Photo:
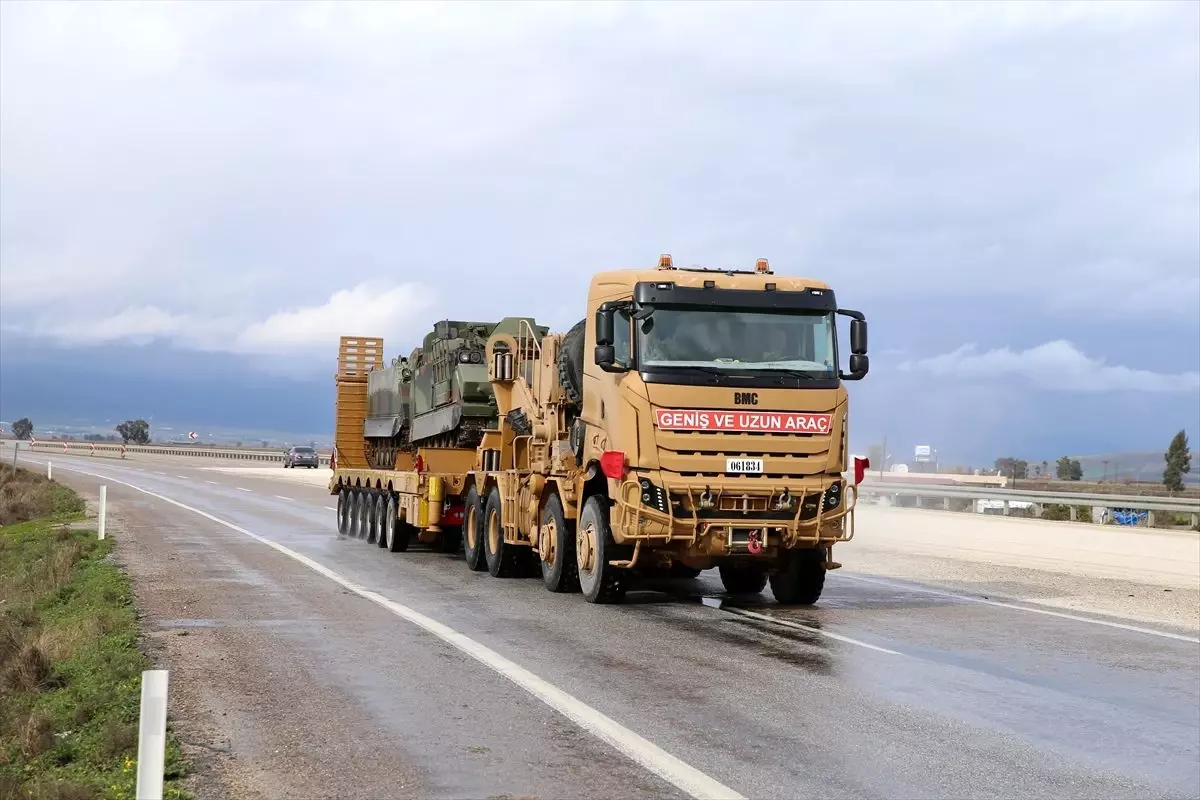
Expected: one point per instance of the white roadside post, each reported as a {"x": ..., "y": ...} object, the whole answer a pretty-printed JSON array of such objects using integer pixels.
[
  {"x": 152, "y": 735},
  {"x": 103, "y": 504},
  {"x": 49, "y": 471}
]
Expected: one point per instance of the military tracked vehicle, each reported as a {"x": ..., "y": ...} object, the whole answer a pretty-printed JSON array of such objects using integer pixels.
[{"x": 439, "y": 396}]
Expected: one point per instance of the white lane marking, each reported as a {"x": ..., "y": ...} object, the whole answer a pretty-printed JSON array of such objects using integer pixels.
[
  {"x": 666, "y": 766},
  {"x": 214, "y": 483},
  {"x": 281, "y": 497},
  {"x": 330, "y": 508},
  {"x": 185, "y": 477},
  {"x": 156, "y": 472},
  {"x": 1014, "y": 606},
  {"x": 789, "y": 624},
  {"x": 244, "y": 489}
]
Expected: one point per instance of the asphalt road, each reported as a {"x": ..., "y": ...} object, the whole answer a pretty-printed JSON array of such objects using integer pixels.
[{"x": 398, "y": 675}]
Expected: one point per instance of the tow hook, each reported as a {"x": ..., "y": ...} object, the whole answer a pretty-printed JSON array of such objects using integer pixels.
[{"x": 754, "y": 545}]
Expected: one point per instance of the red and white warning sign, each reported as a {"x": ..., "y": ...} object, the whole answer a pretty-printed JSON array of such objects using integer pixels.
[{"x": 742, "y": 421}]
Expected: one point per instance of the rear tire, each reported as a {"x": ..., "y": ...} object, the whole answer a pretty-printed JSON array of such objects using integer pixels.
[
  {"x": 743, "y": 578},
  {"x": 356, "y": 501},
  {"x": 343, "y": 511},
  {"x": 473, "y": 551},
  {"x": 371, "y": 517},
  {"x": 594, "y": 548},
  {"x": 503, "y": 559},
  {"x": 561, "y": 572},
  {"x": 387, "y": 531},
  {"x": 801, "y": 579}
]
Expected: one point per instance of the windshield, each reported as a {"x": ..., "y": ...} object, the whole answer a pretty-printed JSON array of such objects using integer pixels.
[
  {"x": 302, "y": 450},
  {"x": 737, "y": 340}
]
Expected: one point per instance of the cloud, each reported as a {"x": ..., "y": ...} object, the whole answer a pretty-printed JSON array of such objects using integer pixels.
[
  {"x": 1056, "y": 366},
  {"x": 397, "y": 313},
  {"x": 216, "y": 175}
]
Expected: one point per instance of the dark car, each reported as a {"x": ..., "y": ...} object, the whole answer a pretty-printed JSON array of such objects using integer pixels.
[{"x": 301, "y": 457}]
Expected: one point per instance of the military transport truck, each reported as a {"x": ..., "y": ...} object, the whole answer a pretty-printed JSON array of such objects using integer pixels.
[{"x": 694, "y": 418}]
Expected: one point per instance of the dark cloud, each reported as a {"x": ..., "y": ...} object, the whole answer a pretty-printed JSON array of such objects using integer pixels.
[{"x": 1003, "y": 175}]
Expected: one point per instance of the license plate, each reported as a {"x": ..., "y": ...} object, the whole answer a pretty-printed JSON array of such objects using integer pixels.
[{"x": 744, "y": 466}]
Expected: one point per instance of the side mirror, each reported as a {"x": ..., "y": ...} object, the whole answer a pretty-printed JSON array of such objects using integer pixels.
[
  {"x": 858, "y": 337},
  {"x": 860, "y": 365},
  {"x": 604, "y": 329},
  {"x": 606, "y": 358}
]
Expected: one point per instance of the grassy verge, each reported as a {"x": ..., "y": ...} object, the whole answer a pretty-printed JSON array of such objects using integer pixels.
[{"x": 70, "y": 667}]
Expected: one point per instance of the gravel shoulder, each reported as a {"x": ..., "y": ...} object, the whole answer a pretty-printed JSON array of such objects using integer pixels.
[
  {"x": 244, "y": 701},
  {"x": 1150, "y": 577}
]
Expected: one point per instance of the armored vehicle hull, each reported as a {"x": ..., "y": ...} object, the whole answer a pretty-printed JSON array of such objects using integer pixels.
[{"x": 439, "y": 396}]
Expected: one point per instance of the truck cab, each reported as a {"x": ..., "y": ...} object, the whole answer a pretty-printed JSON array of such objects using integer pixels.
[{"x": 714, "y": 413}]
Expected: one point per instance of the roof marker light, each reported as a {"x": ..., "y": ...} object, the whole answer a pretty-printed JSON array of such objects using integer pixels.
[
  {"x": 761, "y": 266},
  {"x": 664, "y": 261}
]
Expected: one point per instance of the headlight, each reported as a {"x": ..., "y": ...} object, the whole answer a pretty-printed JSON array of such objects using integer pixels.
[
  {"x": 833, "y": 496},
  {"x": 652, "y": 495}
]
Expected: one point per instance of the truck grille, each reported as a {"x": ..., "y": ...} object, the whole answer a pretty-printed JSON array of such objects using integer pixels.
[{"x": 696, "y": 454}]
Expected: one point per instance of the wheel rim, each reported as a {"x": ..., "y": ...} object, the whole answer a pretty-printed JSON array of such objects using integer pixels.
[
  {"x": 548, "y": 542},
  {"x": 382, "y": 518},
  {"x": 472, "y": 530},
  {"x": 363, "y": 521},
  {"x": 494, "y": 533},
  {"x": 585, "y": 547},
  {"x": 389, "y": 525}
]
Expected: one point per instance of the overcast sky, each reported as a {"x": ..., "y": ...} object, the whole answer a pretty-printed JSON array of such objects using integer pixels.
[{"x": 1010, "y": 192}]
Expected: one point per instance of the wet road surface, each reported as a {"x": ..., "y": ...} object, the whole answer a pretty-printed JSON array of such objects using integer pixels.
[{"x": 886, "y": 690}]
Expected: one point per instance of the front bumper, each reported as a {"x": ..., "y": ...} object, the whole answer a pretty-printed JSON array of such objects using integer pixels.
[{"x": 734, "y": 518}]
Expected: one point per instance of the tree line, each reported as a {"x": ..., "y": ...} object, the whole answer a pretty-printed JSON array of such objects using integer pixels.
[
  {"x": 1177, "y": 458},
  {"x": 131, "y": 431}
]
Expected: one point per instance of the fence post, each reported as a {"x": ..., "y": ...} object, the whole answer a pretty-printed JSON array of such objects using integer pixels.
[
  {"x": 103, "y": 503},
  {"x": 152, "y": 735}
]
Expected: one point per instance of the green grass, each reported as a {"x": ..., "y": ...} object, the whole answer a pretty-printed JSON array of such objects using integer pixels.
[{"x": 70, "y": 667}]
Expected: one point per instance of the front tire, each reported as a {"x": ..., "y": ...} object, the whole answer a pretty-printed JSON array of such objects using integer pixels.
[
  {"x": 801, "y": 579},
  {"x": 600, "y": 581},
  {"x": 743, "y": 578},
  {"x": 560, "y": 572}
]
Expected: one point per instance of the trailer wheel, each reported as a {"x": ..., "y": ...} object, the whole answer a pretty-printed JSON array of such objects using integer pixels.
[
  {"x": 743, "y": 578},
  {"x": 380, "y": 517},
  {"x": 387, "y": 531},
  {"x": 802, "y": 578},
  {"x": 594, "y": 548},
  {"x": 473, "y": 531},
  {"x": 503, "y": 559},
  {"x": 560, "y": 571},
  {"x": 364, "y": 514},
  {"x": 355, "y": 513},
  {"x": 370, "y": 529},
  {"x": 343, "y": 511}
]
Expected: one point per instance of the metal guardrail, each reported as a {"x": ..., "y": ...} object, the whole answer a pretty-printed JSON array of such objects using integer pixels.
[
  {"x": 1181, "y": 505},
  {"x": 110, "y": 450}
]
